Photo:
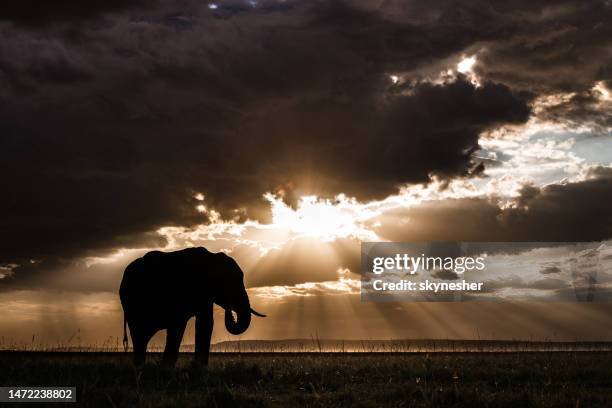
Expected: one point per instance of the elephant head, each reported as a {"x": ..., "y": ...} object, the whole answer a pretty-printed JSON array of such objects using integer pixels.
[{"x": 234, "y": 298}]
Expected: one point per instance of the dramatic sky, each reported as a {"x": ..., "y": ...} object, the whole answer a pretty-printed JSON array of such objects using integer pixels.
[{"x": 285, "y": 132}]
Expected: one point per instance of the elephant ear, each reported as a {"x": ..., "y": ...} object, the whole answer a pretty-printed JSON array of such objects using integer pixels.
[
  {"x": 227, "y": 268},
  {"x": 235, "y": 269}
]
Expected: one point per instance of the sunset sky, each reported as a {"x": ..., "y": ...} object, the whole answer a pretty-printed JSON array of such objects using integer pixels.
[{"x": 286, "y": 132}]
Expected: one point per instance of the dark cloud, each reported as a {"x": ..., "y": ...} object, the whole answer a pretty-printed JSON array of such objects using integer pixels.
[
  {"x": 550, "y": 269},
  {"x": 368, "y": 148},
  {"x": 445, "y": 274},
  {"x": 41, "y": 12},
  {"x": 554, "y": 213},
  {"x": 66, "y": 275},
  {"x": 560, "y": 46},
  {"x": 584, "y": 109},
  {"x": 472, "y": 219},
  {"x": 560, "y": 212},
  {"x": 110, "y": 127},
  {"x": 114, "y": 114}
]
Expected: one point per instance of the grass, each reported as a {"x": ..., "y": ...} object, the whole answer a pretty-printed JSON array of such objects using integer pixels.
[
  {"x": 543, "y": 379},
  {"x": 318, "y": 345}
]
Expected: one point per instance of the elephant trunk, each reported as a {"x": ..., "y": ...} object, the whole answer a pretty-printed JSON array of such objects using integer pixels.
[{"x": 241, "y": 324}]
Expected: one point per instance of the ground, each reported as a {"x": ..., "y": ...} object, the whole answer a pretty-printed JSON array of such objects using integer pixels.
[{"x": 543, "y": 379}]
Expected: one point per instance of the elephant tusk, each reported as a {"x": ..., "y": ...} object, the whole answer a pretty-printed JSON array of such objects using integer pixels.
[{"x": 257, "y": 313}]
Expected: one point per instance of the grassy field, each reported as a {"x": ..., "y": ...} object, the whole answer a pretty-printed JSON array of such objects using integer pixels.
[{"x": 545, "y": 379}]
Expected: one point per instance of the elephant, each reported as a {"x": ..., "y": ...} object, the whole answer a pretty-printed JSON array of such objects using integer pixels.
[{"x": 163, "y": 290}]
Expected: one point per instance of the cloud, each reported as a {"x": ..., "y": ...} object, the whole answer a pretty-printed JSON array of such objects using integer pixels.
[
  {"x": 113, "y": 117},
  {"x": 560, "y": 212},
  {"x": 342, "y": 286},
  {"x": 135, "y": 112},
  {"x": 472, "y": 219},
  {"x": 445, "y": 274},
  {"x": 71, "y": 275},
  {"x": 559, "y": 46},
  {"x": 550, "y": 269},
  {"x": 34, "y": 13},
  {"x": 586, "y": 109},
  {"x": 273, "y": 255},
  {"x": 553, "y": 213}
]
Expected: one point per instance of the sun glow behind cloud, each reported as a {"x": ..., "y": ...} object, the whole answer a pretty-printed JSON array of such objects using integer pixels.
[
  {"x": 465, "y": 65},
  {"x": 323, "y": 218},
  {"x": 603, "y": 91}
]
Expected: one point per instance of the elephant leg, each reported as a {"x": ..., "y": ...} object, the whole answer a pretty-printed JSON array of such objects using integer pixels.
[
  {"x": 204, "y": 327},
  {"x": 140, "y": 339},
  {"x": 174, "y": 335}
]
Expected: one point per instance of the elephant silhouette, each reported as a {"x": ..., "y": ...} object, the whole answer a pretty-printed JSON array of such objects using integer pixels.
[{"x": 163, "y": 290}]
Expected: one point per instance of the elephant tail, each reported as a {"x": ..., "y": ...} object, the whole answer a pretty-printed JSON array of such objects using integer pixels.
[{"x": 125, "y": 339}]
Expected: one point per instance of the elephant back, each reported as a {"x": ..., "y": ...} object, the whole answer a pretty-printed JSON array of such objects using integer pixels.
[{"x": 164, "y": 278}]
